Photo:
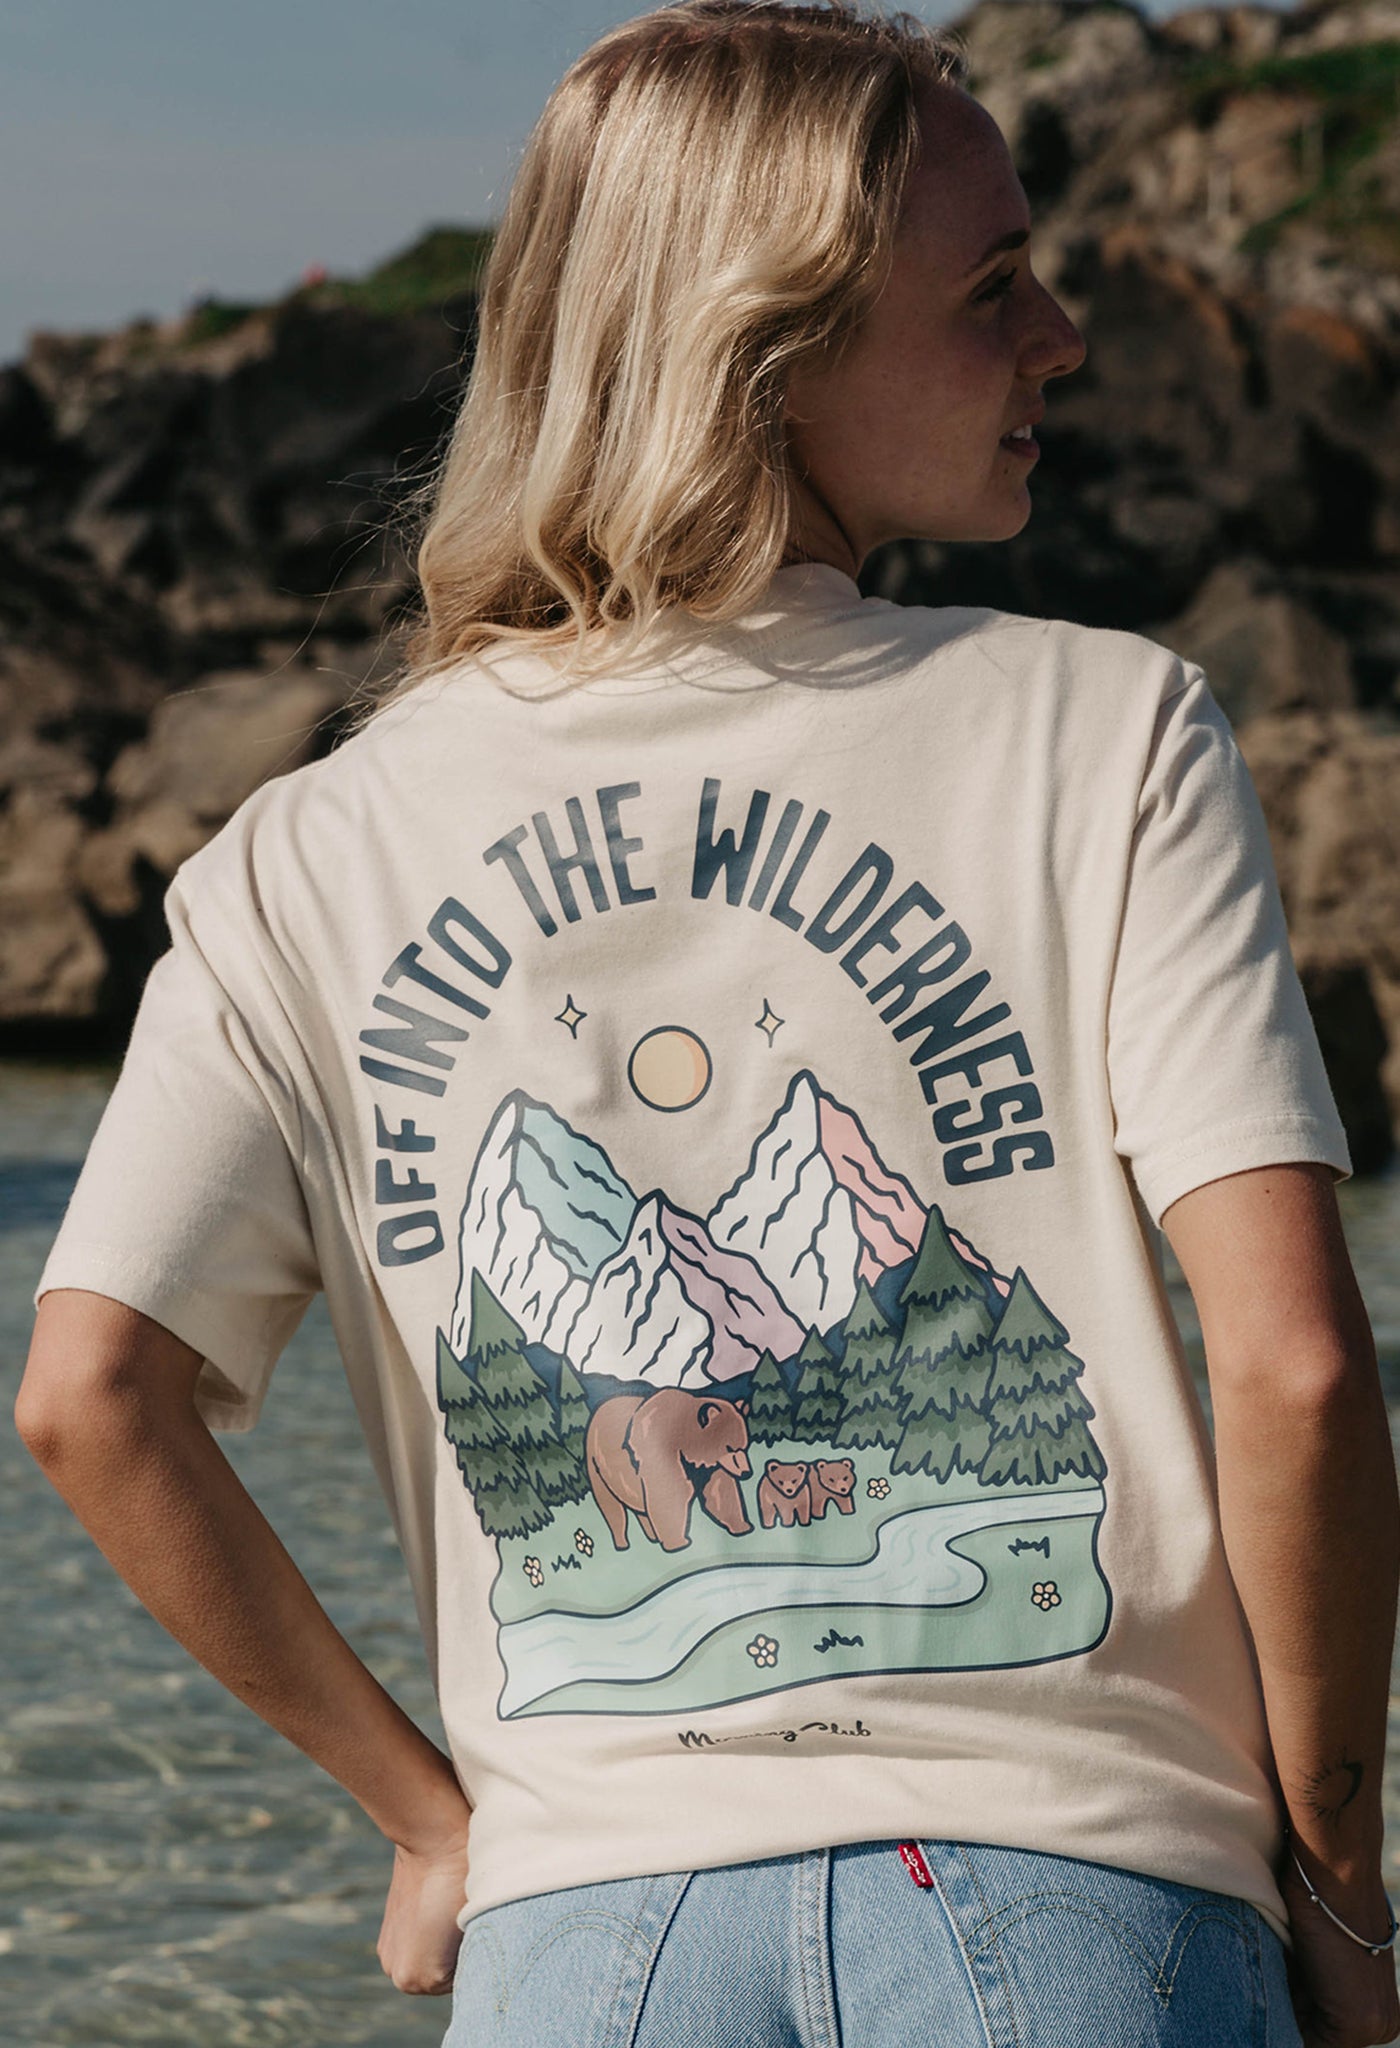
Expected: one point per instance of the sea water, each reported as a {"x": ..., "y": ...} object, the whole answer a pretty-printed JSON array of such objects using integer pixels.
[{"x": 172, "y": 1871}]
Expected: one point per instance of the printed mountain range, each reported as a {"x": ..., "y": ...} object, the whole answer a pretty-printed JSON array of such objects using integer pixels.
[{"x": 638, "y": 1288}]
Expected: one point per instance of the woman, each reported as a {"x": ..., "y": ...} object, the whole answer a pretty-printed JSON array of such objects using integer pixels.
[{"x": 722, "y": 1045}]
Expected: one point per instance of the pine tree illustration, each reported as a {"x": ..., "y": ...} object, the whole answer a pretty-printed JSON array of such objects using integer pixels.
[
  {"x": 770, "y": 1404},
  {"x": 556, "y": 1471},
  {"x": 870, "y": 1397},
  {"x": 1039, "y": 1416},
  {"x": 817, "y": 1399},
  {"x": 573, "y": 1431},
  {"x": 477, "y": 1435},
  {"x": 502, "y": 1474},
  {"x": 468, "y": 1422},
  {"x": 942, "y": 1361}
]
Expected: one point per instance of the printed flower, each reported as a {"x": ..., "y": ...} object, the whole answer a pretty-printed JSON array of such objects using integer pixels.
[
  {"x": 534, "y": 1571},
  {"x": 878, "y": 1489},
  {"x": 1045, "y": 1594},
  {"x": 763, "y": 1650},
  {"x": 583, "y": 1541}
]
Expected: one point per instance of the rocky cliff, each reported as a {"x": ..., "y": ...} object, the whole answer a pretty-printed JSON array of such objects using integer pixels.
[{"x": 197, "y": 562}]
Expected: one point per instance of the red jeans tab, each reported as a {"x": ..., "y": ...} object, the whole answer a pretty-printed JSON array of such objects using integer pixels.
[{"x": 912, "y": 1857}]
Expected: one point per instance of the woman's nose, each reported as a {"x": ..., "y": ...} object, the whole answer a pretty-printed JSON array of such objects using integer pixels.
[{"x": 1059, "y": 347}]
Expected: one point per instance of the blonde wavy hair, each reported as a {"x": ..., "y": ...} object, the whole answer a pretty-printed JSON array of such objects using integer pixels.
[{"x": 708, "y": 200}]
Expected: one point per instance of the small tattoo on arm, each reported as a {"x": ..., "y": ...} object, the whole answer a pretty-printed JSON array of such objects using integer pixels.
[{"x": 1328, "y": 1790}]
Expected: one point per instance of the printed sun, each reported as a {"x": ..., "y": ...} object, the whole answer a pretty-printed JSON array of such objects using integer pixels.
[{"x": 669, "y": 1068}]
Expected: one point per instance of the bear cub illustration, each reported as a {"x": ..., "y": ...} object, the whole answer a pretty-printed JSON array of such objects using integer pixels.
[
  {"x": 831, "y": 1479},
  {"x": 655, "y": 1453},
  {"x": 802, "y": 1493},
  {"x": 783, "y": 1495}
]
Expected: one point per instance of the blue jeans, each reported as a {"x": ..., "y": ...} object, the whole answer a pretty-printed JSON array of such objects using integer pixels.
[{"x": 842, "y": 1948}]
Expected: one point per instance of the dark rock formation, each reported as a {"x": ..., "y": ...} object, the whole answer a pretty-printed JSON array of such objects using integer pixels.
[
  {"x": 1329, "y": 782},
  {"x": 197, "y": 568},
  {"x": 198, "y": 520}
]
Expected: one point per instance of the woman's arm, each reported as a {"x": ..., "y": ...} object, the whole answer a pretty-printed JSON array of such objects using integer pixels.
[
  {"x": 106, "y": 1409},
  {"x": 1311, "y": 1527}
]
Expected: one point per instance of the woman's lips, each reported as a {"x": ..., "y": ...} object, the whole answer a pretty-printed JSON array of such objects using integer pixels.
[{"x": 1024, "y": 444}]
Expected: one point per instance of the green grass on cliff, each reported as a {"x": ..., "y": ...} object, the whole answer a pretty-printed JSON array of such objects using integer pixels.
[
  {"x": 210, "y": 319},
  {"x": 1356, "y": 92},
  {"x": 442, "y": 264},
  {"x": 1362, "y": 72}
]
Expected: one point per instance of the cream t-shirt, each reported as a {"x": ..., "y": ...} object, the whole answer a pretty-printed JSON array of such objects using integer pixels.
[{"x": 727, "y": 1108}]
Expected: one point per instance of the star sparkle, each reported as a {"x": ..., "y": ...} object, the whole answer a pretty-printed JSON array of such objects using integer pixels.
[
  {"x": 571, "y": 1016},
  {"x": 770, "y": 1023}
]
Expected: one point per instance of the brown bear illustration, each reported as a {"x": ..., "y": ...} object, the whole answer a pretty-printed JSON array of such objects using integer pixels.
[
  {"x": 783, "y": 1495},
  {"x": 654, "y": 1453},
  {"x": 831, "y": 1479}
]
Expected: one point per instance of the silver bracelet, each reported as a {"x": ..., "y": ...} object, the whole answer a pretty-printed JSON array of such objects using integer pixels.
[{"x": 1375, "y": 1948}]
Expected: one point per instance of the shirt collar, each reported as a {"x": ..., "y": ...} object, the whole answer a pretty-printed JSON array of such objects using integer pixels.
[{"x": 814, "y": 586}]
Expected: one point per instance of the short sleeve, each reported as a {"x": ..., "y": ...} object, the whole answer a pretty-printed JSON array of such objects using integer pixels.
[
  {"x": 1213, "y": 1061},
  {"x": 189, "y": 1206}
]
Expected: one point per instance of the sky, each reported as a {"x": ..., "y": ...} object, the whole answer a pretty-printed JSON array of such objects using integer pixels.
[{"x": 156, "y": 151}]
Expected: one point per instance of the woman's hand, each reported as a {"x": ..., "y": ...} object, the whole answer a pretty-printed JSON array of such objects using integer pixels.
[
  {"x": 419, "y": 1938},
  {"x": 1344, "y": 1998}
]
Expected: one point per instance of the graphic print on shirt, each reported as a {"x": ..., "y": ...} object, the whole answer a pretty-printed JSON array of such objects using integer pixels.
[{"x": 810, "y": 1435}]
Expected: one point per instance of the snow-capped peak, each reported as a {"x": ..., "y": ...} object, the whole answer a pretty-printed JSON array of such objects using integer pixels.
[{"x": 816, "y": 1208}]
